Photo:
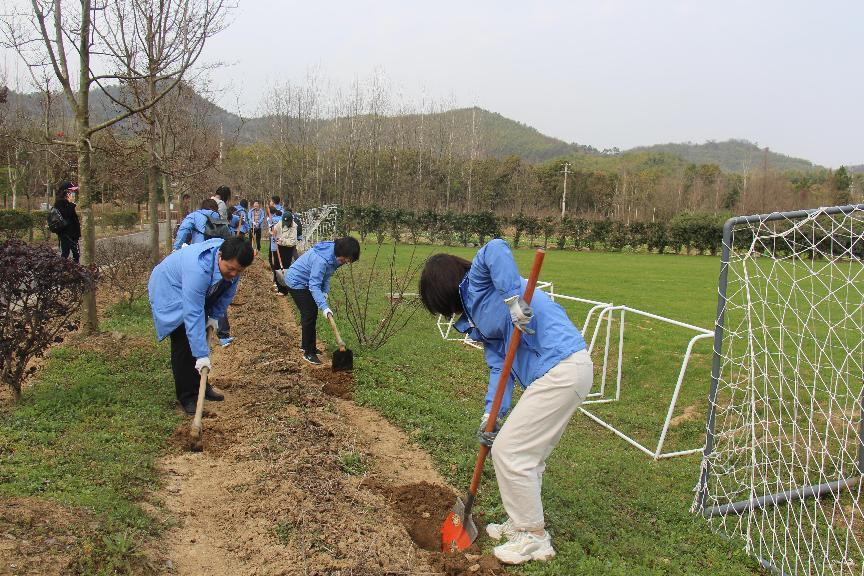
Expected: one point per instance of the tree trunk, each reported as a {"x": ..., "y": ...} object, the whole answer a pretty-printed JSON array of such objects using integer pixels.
[
  {"x": 89, "y": 316},
  {"x": 166, "y": 191}
]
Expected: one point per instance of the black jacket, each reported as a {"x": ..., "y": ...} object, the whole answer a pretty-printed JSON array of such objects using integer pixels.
[{"x": 73, "y": 225}]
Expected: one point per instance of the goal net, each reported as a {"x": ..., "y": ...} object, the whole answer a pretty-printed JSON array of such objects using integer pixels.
[{"x": 783, "y": 458}]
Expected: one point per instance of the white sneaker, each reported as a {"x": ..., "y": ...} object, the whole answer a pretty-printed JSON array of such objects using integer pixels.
[
  {"x": 525, "y": 546},
  {"x": 498, "y": 531}
]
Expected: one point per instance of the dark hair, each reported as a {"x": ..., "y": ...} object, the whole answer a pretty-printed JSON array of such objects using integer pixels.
[
  {"x": 275, "y": 212},
  {"x": 224, "y": 192},
  {"x": 275, "y": 199},
  {"x": 63, "y": 189},
  {"x": 439, "y": 283},
  {"x": 347, "y": 247},
  {"x": 209, "y": 204},
  {"x": 237, "y": 248},
  {"x": 231, "y": 211},
  {"x": 245, "y": 204},
  {"x": 185, "y": 196}
]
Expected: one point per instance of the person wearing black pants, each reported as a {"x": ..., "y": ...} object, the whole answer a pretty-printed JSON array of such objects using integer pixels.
[
  {"x": 309, "y": 281},
  {"x": 308, "y": 317},
  {"x": 285, "y": 253},
  {"x": 190, "y": 290},
  {"x": 71, "y": 233}
]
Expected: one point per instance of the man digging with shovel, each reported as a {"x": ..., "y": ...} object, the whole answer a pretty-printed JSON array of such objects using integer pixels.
[
  {"x": 551, "y": 362},
  {"x": 190, "y": 290}
]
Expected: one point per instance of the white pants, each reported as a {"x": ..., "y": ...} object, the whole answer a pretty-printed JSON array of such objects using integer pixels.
[{"x": 531, "y": 432}]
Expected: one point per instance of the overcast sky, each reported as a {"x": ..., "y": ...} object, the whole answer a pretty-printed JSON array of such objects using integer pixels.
[{"x": 785, "y": 74}]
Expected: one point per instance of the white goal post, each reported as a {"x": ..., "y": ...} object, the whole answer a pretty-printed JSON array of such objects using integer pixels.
[{"x": 782, "y": 463}]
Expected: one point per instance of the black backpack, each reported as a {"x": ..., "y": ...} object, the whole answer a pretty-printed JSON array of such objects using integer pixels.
[
  {"x": 56, "y": 221},
  {"x": 216, "y": 228},
  {"x": 296, "y": 219}
]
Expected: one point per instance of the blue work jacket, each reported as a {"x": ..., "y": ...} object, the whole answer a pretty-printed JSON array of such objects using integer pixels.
[
  {"x": 494, "y": 277},
  {"x": 255, "y": 215},
  {"x": 240, "y": 215},
  {"x": 191, "y": 229},
  {"x": 272, "y": 220},
  {"x": 313, "y": 271},
  {"x": 178, "y": 290}
]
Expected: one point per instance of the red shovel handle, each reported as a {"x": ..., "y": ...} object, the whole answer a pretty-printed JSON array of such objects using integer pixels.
[{"x": 505, "y": 374}]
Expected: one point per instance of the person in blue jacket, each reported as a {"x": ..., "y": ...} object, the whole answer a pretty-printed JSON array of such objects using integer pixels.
[
  {"x": 239, "y": 222},
  {"x": 190, "y": 290},
  {"x": 552, "y": 364},
  {"x": 191, "y": 230},
  {"x": 255, "y": 217},
  {"x": 308, "y": 280}
]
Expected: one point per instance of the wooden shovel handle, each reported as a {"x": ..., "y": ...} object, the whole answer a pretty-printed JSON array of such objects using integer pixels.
[
  {"x": 339, "y": 340},
  {"x": 515, "y": 339}
]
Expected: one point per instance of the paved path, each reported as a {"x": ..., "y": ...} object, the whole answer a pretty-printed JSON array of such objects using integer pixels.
[{"x": 142, "y": 237}]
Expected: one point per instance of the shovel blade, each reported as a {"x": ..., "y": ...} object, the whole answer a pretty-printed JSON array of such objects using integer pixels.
[
  {"x": 280, "y": 278},
  {"x": 343, "y": 360},
  {"x": 457, "y": 532}
]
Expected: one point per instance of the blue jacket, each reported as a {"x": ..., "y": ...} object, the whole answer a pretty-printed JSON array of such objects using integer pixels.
[
  {"x": 494, "y": 277},
  {"x": 251, "y": 216},
  {"x": 313, "y": 271},
  {"x": 178, "y": 288},
  {"x": 240, "y": 215},
  {"x": 191, "y": 229},
  {"x": 272, "y": 221}
]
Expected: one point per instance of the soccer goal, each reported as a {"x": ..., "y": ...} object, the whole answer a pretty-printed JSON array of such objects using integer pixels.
[{"x": 782, "y": 463}]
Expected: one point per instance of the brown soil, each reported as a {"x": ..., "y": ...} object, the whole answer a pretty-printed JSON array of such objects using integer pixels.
[
  {"x": 39, "y": 537},
  {"x": 690, "y": 413},
  {"x": 293, "y": 478}
]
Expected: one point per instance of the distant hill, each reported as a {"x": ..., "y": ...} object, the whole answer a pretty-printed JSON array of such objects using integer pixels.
[
  {"x": 732, "y": 156},
  {"x": 858, "y": 169}
]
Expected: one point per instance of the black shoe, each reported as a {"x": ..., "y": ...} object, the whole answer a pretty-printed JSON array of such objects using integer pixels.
[
  {"x": 317, "y": 351},
  {"x": 189, "y": 407},
  {"x": 213, "y": 394},
  {"x": 312, "y": 359}
]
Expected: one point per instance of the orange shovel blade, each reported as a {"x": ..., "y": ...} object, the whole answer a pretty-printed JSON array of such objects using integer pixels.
[{"x": 457, "y": 532}]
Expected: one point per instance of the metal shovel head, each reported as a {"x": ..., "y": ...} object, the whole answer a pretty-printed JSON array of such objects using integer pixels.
[
  {"x": 457, "y": 532},
  {"x": 280, "y": 278},
  {"x": 343, "y": 360}
]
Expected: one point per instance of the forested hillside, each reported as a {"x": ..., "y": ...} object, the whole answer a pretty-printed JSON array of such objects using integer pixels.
[{"x": 732, "y": 156}]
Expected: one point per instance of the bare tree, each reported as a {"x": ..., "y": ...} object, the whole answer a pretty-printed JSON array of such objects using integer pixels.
[{"x": 85, "y": 44}]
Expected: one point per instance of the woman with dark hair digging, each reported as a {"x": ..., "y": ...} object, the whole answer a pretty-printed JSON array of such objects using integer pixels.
[
  {"x": 308, "y": 280},
  {"x": 552, "y": 364}
]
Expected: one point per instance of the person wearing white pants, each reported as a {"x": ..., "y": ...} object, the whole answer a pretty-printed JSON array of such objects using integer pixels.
[{"x": 552, "y": 364}]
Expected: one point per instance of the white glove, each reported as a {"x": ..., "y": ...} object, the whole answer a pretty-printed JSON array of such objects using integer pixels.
[
  {"x": 486, "y": 438},
  {"x": 328, "y": 312},
  {"x": 212, "y": 323},
  {"x": 520, "y": 313},
  {"x": 201, "y": 363}
]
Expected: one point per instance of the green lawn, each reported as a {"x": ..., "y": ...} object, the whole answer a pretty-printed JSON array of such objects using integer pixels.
[
  {"x": 87, "y": 433},
  {"x": 610, "y": 508}
]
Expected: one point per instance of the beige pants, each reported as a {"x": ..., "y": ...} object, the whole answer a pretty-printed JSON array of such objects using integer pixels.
[{"x": 531, "y": 432}]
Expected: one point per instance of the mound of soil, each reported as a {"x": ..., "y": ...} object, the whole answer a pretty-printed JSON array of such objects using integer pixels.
[{"x": 338, "y": 384}]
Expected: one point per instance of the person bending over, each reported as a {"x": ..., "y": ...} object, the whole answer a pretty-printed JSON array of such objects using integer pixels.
[
  {"x": 190, "y": 290},
  {"x": 552, "y": 365},
  {"x": 308, "y": 281}
]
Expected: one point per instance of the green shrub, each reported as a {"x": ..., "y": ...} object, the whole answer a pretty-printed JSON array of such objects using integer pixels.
[
  {"x": 15, "y": 223},
  {"x": 124, "y": 220}
]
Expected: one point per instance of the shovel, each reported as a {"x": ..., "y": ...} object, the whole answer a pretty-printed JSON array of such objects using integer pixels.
[
  {"x": 343, "y": 358},
  {"x": 195, "y": 429},
  {"x": 280, "y": 273},
  {"x": 459, "y": 531}
]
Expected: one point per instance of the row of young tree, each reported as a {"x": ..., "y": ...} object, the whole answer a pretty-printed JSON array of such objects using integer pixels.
[{"x": 691, "y": 233}]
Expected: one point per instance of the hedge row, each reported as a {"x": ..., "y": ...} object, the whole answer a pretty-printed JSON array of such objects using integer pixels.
[
  {"x": 18, "y": 223},
  {"x": 696, "y": 232}
]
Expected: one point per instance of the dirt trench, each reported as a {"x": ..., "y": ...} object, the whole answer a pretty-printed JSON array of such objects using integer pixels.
[{"x": 294, "y": 477}]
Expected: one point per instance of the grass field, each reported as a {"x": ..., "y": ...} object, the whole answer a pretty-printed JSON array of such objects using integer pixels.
[
  {"x": 611, "y": 509},
  {"x": 87, "y": 433}
]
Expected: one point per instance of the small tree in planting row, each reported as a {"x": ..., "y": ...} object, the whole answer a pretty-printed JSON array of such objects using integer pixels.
[
  {"x": 40, "y": 293},
  {"x": 124, "y": 265}
]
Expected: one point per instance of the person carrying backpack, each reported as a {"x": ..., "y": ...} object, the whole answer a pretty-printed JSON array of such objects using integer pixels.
[
  {"x": 194, "y": 227},
  {"x": 241, "y": 225},
  {"x": 68, "y": 228}
]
